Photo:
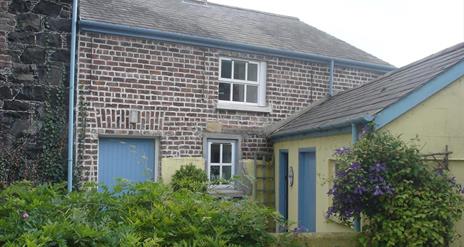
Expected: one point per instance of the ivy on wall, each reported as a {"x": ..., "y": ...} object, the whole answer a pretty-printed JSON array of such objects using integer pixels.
[
  {"x": 52, "y": 162},
  {"x": 50, "y": 165}
]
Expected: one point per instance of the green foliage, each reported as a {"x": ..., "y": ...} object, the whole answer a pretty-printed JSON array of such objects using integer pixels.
[
  {"x": 191, "y": 178},
  {"x": 52, "y": 164},
  {"x": 146, "y": 214},
  {"x": 19, "y": 162},
  {"x": 404, "y": 200}
]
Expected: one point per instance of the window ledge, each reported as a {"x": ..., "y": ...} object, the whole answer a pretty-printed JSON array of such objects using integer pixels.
[{"x": 243, "y": 107}]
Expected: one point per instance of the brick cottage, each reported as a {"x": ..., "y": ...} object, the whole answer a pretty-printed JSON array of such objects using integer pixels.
[{"x": 165, "y": 83}]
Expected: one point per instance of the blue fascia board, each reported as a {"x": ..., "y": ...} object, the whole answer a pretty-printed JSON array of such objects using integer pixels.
[
  {"x": 311, "y": 134},
  {"x": 400, "y": 107},
  {"x": 116, "y": 29},
  {"x": 341, "y": 128}
]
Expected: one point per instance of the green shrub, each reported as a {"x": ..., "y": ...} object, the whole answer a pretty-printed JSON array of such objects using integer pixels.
[
  {"x": 145, "y": 214},
  {"x": 404, "y": 200},
  {"x": 191, "y": 178}
]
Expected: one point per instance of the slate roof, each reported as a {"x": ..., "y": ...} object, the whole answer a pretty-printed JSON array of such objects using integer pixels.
[
  {"x": 242, "y": 26},
  {"x": 370, "y": 98}
]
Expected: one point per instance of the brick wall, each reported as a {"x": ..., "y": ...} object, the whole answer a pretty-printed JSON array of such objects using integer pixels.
[{"x": 174, "y": 89}]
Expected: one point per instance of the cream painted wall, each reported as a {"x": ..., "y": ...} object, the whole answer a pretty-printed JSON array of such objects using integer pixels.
[
  {"x": 438, "y": 121},
  {"x": 325, "y": 147},
  {"x": 169, "y": 166}
]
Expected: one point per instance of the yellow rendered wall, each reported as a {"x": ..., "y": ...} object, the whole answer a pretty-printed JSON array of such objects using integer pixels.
[
  {"x": 437, "y": 122},
  {"x": 169, "y": 166},
  {"x": 325, "y": 147}
]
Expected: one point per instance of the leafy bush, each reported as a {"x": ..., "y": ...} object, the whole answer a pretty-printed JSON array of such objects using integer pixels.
[
  {"x": 191, "y": 178},
  {"x": 146, "y": 214},
  {"x": 404, "y": 200}
]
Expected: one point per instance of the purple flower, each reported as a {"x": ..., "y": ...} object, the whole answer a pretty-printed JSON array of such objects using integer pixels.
[
  {"x": 340, "y": 173},
  {"x": 355, "y": 166},
  {"x": 25, "y": 216},
  {"x": 378, "y": 191},
  {"x": 332, "y": 191},
  {"x": 376, "y": 178},
  {"x": 342, "y": 151},
  {"x": 359, "y": 190},
  {"x": 378, "y": 168},
  {"x": 388, "y": 189},
  {"x": 330, "y": 212},
  {"x": 365, "y": 130}
]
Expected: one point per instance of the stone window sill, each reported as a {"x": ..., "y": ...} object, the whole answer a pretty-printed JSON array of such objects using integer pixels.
[{"x": 242, "y": 107}]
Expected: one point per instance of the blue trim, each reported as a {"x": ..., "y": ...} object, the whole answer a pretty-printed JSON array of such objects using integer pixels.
[
  {"x": 307, "y": 150},
  {"x": 418, "y": 96},
  {"x": 354, "y": 139},
  {"x": 335, "y": 129},
  {"x": 354, "y": 133},
  {"x": 109, "y": 28},
  {"x": 309, "y": 134},
  {"x": 72, "y": 71},
  {"x": 331, "y": 77},
  {"x": 283, "y": 183}
]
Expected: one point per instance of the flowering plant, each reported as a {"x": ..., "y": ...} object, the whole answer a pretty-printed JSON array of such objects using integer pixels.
[{"x": 403, "y": 200}]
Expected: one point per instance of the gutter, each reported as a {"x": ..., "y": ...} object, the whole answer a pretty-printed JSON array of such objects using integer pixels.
[
  {"x": 337, "y": 126},
  {"x": 331, "y": 77},
  {"x": 72, "y": 70},
  {"x": 117, "y": 29}
]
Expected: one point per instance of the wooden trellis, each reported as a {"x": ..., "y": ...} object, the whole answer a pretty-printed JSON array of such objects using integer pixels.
[
  {"x": 441, "y": 158},
  {"x": 264, "y": 174}
]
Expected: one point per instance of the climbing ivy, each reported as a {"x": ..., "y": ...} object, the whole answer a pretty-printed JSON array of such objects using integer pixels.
[
  {"x": 19, "y": 163},
  {"x": 52, "y": 161}
]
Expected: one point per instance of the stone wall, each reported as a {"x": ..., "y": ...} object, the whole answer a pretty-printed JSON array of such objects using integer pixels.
[
  {"x": 34, "y": 57},
  {"x": 174, "y": 90}
]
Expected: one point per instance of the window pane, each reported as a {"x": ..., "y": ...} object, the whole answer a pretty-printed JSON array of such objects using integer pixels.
[
  {"x": 226, "y": 153},
  {"x": 215, "y": 153},
  {"x": 252, "y": 72},
  {"x": 226, "y": 69},
  {"x": 252, "y": 94},
  {"x": 227, "y": 172},
  {"x": 239, "y": 93},
  {"x": 214, "y": 172},
  {"x": 239, "y": 70},
  {"x": 224, "y": 91}
]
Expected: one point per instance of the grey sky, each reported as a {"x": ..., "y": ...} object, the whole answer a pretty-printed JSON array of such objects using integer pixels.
[{"x": 397, "y": 31}]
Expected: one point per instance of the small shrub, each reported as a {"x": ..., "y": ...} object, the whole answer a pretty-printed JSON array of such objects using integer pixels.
[
  {"x": 404, "y": 200},
  {"x": 191, "y": 178},
  {"x": 145, "y": 214}
]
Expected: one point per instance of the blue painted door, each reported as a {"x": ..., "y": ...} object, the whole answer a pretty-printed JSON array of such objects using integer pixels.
[
  {"x": 307, "y": 191},
  {"x": 131, "y": 159},
  {"x": 283, "y": 183}
]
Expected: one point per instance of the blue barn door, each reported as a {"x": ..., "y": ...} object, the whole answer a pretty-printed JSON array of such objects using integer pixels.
[
  {"x": 307, "y": 190},
  {"x": 131, "y": 159},
  {"x": 283, "y": 184}
]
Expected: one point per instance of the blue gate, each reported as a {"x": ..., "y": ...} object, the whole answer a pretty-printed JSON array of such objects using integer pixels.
[{"x": 131, "y": 159}]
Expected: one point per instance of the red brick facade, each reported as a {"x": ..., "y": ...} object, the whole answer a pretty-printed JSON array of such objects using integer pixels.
[{"x": 174, "y": 90}]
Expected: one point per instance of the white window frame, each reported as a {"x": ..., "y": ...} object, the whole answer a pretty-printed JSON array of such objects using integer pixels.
[
  {"x": 260, "y": 83},
  {"x": 233, "y": 144}
]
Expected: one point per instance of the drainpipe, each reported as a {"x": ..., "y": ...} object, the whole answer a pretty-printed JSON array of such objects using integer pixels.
[
  {"x": 331, "y": 77},
  {"x": 72, "y": 70},
  {"x": 354, "y": 139}
]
